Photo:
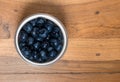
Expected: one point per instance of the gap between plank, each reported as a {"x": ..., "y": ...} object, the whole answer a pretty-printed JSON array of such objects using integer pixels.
[{"x": 64, "y": 73}]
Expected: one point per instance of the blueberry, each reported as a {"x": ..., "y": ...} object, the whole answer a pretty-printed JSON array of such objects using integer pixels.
[
  {"x": 26, "y": 52},
  {"x": 23, "y": 36},
  {"x": 54, "y": 34},
  {"x": 60, "y": 40},
  {"x": 38, "y": 38},
  {"x": 45, "y": 45},
  {"x": 21, "y": 45},
  {"x": 54, "y": 42},
  {"x": 48, "y": 37},
  {"x": 49, "y": 26},
  {"x": 40, "y": 60},
  {"x": 40, "y": 21},
  {"x": 34, "y": 52},
  {"x": 50, "y": 23},
  {"x": 36, "y": 56},
  {"x": 43, "y": 33},
  {"x": 49, "y": 49},
  {"x": 56, "y": 29},
  {"x": 35, "y": 32},
  {"x": 27, "y": 27},
  {"x": 58, "y": 48},
  {"x": 61, "y": 35},
  {"x": 36, "y": 45},
  {"x": 39, "y": 49},
  {"x": 31, "y": 58},
  {"x": 33, "y": 22},
  {"x": 30, "y": 41},
  {"x": 31, "y": 47},
  {"x": 52, "y": 54},
  {"x": 43, "y": 55}
]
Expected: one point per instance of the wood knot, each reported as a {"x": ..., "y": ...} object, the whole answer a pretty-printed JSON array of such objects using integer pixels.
[
  {"x": 15, "y": 10},
  {"x": 98, "y": 54},
  {"x": 97, "y": 12},
  {"x": 4, "y": 31}
]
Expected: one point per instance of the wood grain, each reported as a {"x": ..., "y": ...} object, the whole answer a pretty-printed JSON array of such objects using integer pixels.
[
  {"x": 78, "y": 49},
  {"x": 60, "y": 78},
  {"x": 11, "y": 65},
  {"x": 80, "y": 20},
  {"x": 93, "y": 53}
]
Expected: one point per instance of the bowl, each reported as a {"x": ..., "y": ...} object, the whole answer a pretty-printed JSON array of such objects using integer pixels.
[{"x": 47, "y": 17}]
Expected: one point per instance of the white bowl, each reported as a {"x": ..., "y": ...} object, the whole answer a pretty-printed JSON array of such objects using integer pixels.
[{"x": 57, "y": 22}]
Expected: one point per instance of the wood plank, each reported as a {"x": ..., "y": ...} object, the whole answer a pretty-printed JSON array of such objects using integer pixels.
[
  {"x": 10, "y": 65},
  {"x": 60, "y": 78},
  {"x": 78, "y": 49},
  {"x": 58, "y": 2},
  {"x": 80, "y": 20}
]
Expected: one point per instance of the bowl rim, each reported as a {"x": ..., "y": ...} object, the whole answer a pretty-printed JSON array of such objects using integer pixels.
[{"x": 57, "y": 22}]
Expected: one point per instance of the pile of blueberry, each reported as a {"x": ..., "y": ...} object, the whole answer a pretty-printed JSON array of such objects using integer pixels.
[{"x": 40, "y": 40}]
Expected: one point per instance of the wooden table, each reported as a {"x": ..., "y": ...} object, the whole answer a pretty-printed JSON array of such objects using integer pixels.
[{"x": 93, "y": 53}]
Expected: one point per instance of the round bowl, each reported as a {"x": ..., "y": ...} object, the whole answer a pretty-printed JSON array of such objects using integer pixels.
[{"x": 57, "y": 22}]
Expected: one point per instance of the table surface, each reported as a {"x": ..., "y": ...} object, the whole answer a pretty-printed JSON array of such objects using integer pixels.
[{"x": 93, "y": 53}]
